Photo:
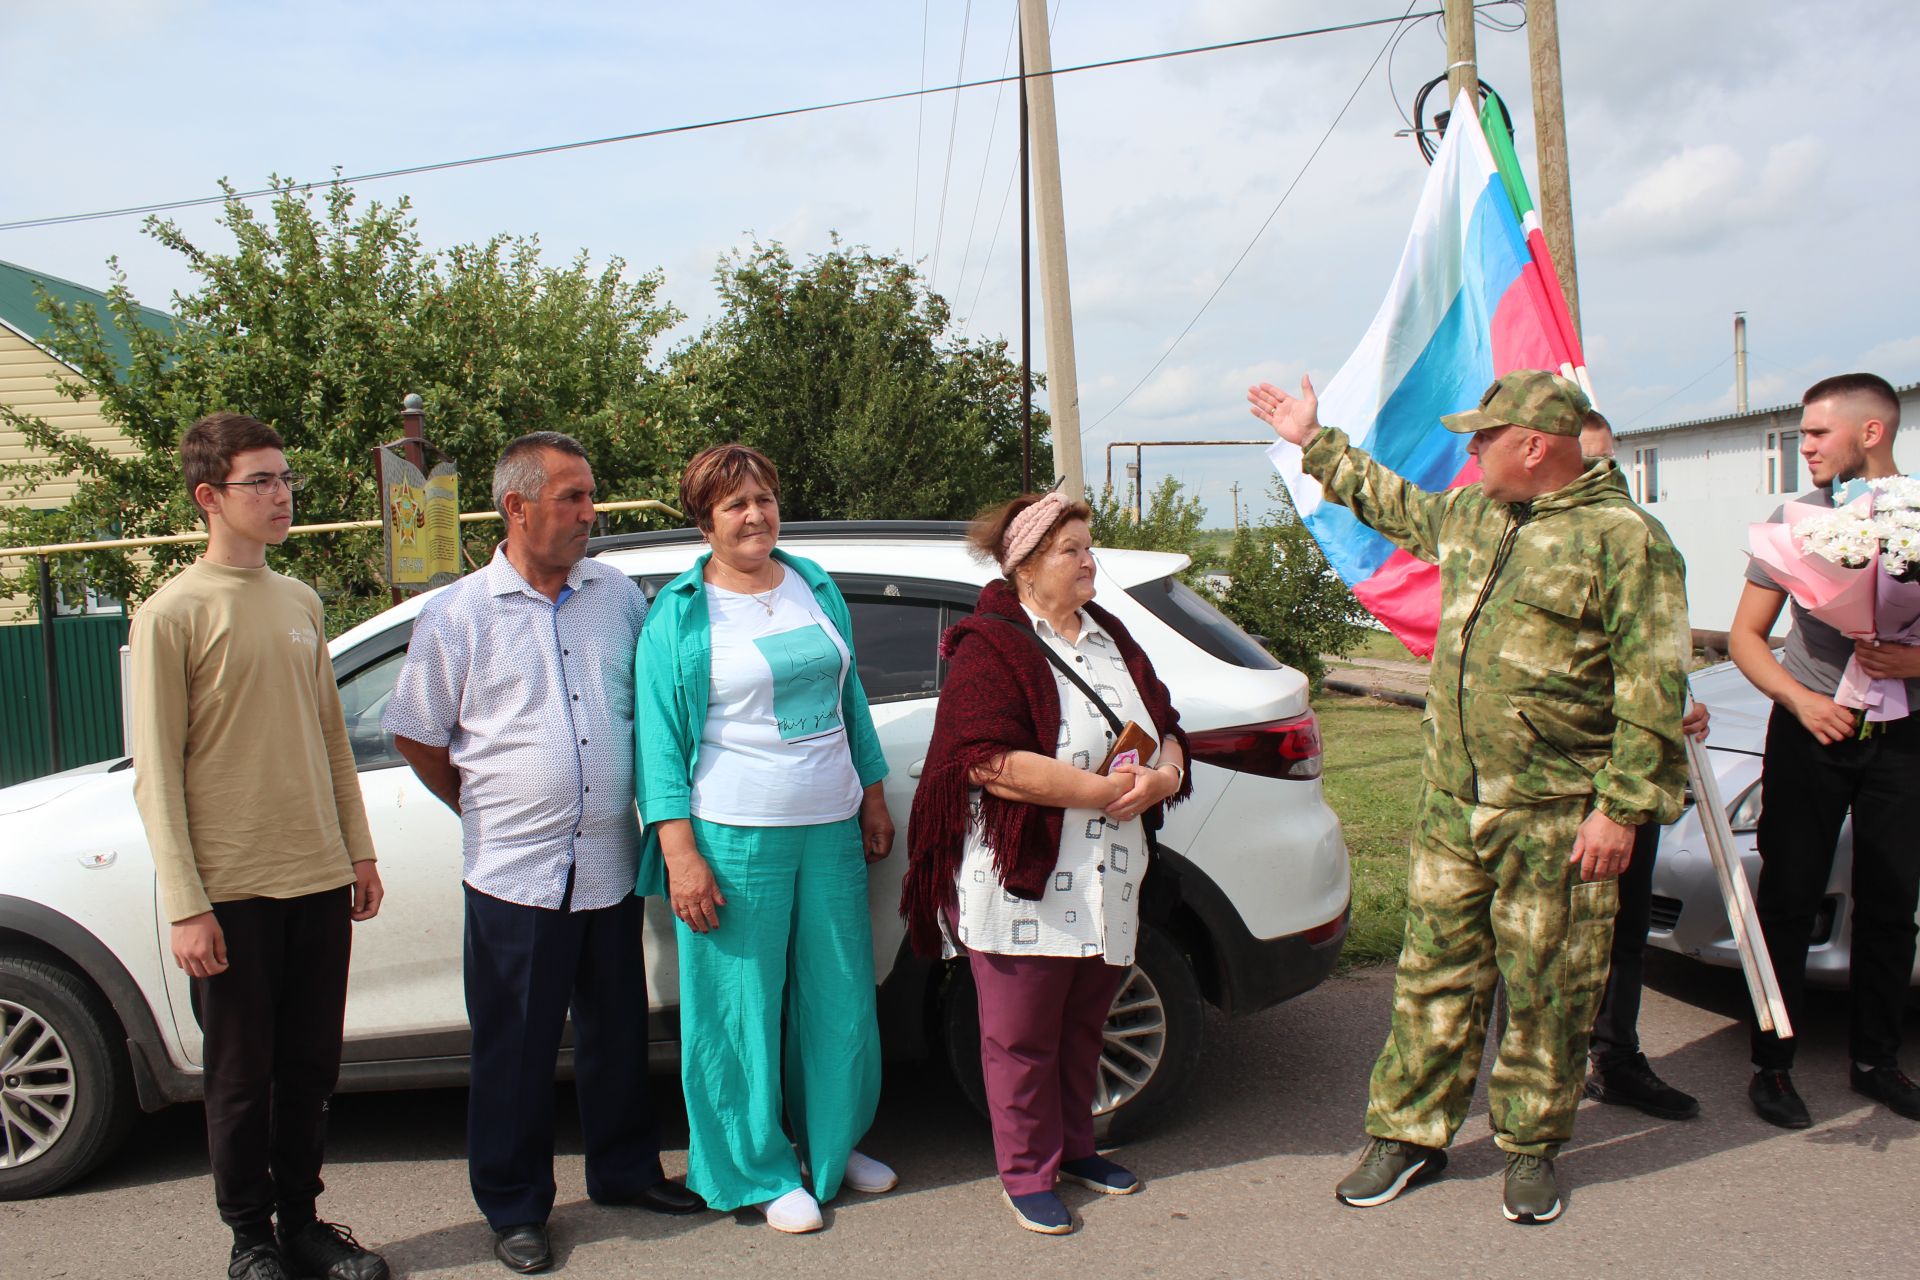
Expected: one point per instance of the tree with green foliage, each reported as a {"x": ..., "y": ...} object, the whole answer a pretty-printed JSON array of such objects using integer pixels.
[
  {"x": 847, "y": 372},
  {"x": 1171, "y": 522},
  {"x": 318, "y": 321},
  {"x": 1283, "y": 590}
]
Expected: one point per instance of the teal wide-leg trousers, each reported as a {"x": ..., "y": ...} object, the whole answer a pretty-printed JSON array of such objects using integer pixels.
[{"x": 794, "y": 937}]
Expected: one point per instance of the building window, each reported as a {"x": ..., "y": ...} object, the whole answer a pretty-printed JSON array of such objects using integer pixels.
[
  {"x": 1646, "y": 476},
  {"x": 1783, "y": 461}
]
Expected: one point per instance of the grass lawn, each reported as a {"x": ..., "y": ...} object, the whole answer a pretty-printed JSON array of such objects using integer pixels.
[
  {"x": 1372, "y": 780},
  {"x": 1382, "y": 645}
]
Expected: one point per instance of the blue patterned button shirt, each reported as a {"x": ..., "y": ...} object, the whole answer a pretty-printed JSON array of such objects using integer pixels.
[{"x": 534, "y": 700}]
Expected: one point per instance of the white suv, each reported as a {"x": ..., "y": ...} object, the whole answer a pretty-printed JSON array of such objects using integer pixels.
[{"x": 95, "y": 1018}]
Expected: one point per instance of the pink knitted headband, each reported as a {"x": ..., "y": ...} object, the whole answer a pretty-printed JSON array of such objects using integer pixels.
[{"x": 1030, "y": 528}]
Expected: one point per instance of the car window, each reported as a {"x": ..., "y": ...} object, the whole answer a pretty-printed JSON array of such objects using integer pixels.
[
  {"x": 363, "y": 697},
  {"x": 1194, "y": 617},
  {"x": 897, "y": 643}
]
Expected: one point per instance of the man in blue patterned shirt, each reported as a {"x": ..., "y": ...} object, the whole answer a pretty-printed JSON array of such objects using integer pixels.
[{"x": 515, "y": 707}]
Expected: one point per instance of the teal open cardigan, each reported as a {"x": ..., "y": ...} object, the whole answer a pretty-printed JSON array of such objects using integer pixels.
[{"x": 672, "y": 675}]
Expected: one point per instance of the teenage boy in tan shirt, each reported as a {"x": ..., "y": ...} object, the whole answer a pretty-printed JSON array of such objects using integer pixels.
[{"x": 245, "y": 782}]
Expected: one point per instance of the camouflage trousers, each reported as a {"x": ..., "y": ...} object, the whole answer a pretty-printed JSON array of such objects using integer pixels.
[{"x": 1490, "y": 894}]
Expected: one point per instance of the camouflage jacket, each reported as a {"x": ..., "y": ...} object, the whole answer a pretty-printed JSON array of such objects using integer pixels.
[{"x": 1560, "y": 665}]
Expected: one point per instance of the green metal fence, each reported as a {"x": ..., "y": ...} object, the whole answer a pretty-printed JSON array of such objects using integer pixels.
[{"x": 87, "y": 651}]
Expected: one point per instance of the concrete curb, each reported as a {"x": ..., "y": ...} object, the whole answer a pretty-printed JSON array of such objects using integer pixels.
[{"x": 1417, "y": 701}]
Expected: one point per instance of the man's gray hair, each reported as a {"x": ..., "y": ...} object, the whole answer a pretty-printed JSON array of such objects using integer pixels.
[{"x": 522, "y": 468}]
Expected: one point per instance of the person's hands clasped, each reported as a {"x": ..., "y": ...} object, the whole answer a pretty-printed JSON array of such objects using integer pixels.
[
  {"x": 1602, "y": 847},
  {"x": 1146, "y": 787},
  {"x": 876, "y": 824}
]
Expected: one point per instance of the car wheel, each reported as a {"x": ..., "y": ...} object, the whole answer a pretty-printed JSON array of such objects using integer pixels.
[
  {"x": 66, "y": 1090},
  {"x": 1153, "y": 1036}
]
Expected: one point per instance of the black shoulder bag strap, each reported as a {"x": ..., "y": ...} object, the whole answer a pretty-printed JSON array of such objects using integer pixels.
[{"x": 1066, "y": 669}]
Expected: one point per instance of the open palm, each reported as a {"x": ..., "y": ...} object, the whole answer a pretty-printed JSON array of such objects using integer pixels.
[{"x": 1295, "y": 418}]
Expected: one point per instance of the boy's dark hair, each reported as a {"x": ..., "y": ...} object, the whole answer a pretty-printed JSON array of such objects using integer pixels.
[{"x": 210, "y": 445}]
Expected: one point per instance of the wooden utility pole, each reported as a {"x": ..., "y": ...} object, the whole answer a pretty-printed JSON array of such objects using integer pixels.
[
  {"x": 1550, "y": 143},
  {"x": 1463, "y": 76},
  {"x": 1063, "y": 384}
]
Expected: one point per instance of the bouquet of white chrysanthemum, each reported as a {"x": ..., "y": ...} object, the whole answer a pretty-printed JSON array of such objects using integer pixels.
[{"x": 1856, "y": 567}]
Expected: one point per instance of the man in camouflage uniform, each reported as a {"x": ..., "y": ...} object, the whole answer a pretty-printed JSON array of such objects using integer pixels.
[{"x": 1552, "y": 732}]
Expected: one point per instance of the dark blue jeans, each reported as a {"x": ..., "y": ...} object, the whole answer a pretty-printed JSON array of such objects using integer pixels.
[{"x": 525, "y": 966}]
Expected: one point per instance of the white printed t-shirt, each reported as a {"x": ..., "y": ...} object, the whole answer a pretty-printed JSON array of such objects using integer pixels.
[{"x": 774, "y": 751}]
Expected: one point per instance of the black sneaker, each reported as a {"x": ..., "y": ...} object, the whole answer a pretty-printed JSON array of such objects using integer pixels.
[
  {"x": 1532, "y": 1190},
  {"x": 1633, "y": 1084},
  {"x": 1776, "y": 1101},
  {"x": 257, "y": 1262},
  {"x": 328, "y": 1250},
  {"x": 1890, "y": 1085},
  {"x": 1386, "y": 1169}
]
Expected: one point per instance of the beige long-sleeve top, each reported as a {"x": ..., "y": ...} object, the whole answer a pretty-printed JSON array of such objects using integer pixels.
[{"x": 242, "y": 770}]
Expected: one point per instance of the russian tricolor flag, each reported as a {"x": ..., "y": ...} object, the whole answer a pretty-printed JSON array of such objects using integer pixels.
[{"x": 1475, "y": 296}]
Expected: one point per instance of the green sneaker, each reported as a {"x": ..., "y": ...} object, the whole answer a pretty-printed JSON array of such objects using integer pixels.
[
  {"x": 1533, "y": 1192},
  {"x": 1385, "y": 1170}
]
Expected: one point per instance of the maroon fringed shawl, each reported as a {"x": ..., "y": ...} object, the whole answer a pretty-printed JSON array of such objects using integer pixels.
[{"x": 1000, "y": 696}]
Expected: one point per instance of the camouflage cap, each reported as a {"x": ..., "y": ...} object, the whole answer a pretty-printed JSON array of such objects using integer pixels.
[{"x": 1530, "y": 398}]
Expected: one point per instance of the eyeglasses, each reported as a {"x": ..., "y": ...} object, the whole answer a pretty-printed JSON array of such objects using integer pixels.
[{"x": 265, "y": 486}]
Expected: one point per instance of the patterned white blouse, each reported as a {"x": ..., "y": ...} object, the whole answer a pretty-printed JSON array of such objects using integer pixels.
[{"x": 1091, "y": 906}]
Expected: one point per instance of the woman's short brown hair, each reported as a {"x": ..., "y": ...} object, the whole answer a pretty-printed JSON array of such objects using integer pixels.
[
  {"x": 988, "y": 532},
  {"x": 714, "y": 474}
]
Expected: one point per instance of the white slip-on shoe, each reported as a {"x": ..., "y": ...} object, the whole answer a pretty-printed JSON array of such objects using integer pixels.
[
  {"x": 795, "y": 1213},
  {"x": 864, "y": 1173}
]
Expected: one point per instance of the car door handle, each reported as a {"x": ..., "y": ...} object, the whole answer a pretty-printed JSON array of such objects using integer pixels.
[{"x": 918, "y": 765}]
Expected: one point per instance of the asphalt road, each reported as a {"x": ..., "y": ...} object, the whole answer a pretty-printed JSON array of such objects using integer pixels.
[{"x": 1239, "y": 1179}]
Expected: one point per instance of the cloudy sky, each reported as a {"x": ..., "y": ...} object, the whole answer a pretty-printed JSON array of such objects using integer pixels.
[{"x": 1753, "y": 157}]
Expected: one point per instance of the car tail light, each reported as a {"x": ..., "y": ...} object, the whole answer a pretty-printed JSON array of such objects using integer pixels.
[{"x": 1275, "y": 749}]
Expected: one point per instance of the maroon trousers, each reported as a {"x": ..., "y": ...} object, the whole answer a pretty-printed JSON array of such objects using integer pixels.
[{"x": 1042, "y": 1022}]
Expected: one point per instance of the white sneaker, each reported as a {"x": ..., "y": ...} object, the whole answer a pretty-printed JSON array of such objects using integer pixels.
[
  {"x": 795, "y": 1213},
  {"x": 864, "y": 1173}
]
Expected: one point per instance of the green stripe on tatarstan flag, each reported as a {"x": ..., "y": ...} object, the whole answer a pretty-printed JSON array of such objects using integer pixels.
[{"x": 1500, "y": 141}]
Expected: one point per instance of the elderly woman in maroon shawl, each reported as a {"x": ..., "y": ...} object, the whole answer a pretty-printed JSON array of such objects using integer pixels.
[{"x": 1028, "y": 855}]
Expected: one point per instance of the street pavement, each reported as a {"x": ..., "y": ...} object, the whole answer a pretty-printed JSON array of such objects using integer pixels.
[{"x": 1239, "y": 1178}]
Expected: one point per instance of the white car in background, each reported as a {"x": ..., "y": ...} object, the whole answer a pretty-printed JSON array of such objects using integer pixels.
[
  {"x": 1688, "y": 914},
  {"x": 96, "y": 1022}
]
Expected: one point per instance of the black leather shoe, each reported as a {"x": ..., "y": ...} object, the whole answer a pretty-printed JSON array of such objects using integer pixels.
[
  {"x": 1890, "y": 1085},
  {"x": 328, "y": 1250},
  {"x": 1633, "y": 1084},
  {"x": 1775, "y": 1101},
  {"x": 662, "y": 1197},
  {"x": 525, "y": 1249},
  {"x": 258, "y": 1262}
]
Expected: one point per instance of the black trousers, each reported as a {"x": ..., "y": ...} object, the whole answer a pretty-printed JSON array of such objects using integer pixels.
[
  {"x": 1806, "y": 792},
  {"x": 272, "y": 1024},
  {"x": 1616, "y": 1027},
  {"x": 524, "y": 967}
]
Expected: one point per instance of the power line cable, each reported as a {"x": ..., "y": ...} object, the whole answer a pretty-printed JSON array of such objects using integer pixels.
[
  {"x": 1272, "y": 214},
  {"x": 523, "y": 153},
  {"x": 919, "y": 133},
  {"x": 1720, "y": 364},
  {"x": 953, "y": 131},
  {"x": 986, "y": 161}
]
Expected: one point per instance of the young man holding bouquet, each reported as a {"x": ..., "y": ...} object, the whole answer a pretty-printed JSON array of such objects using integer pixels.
[{"x": 1821, "y": 763}]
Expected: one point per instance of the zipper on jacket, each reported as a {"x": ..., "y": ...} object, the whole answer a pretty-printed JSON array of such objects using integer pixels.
[
  {"x": 1549, "y": 744},
  {"x": 1519, "y": 513}
]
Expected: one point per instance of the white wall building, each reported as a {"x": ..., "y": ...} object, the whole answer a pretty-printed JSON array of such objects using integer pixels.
[{"x": 1707, "y": 480}]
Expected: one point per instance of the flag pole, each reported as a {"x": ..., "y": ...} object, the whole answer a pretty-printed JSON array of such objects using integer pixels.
[{"x": 1763, "y": 988}]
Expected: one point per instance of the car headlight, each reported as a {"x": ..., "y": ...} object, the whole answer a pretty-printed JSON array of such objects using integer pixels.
[{"x": 1743, "y": 814}]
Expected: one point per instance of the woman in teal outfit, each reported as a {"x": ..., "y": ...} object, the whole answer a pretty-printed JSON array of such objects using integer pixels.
[{"x": 759, "y": 774}]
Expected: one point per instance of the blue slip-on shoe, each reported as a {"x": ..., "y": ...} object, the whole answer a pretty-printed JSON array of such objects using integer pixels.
[
  {"x": 1041, "y": 1211},
  {"x": 1097, "y": 1173}
]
